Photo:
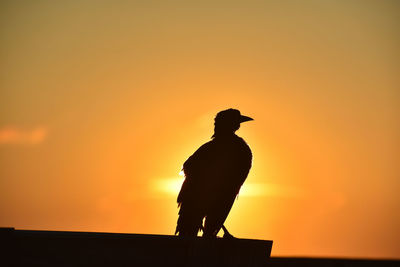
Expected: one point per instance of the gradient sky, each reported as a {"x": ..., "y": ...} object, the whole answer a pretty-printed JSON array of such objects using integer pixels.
[{"x": 101, "y": 102}]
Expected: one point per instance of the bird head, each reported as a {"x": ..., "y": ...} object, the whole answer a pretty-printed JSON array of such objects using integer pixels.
[{"x": 228, "y": 122}]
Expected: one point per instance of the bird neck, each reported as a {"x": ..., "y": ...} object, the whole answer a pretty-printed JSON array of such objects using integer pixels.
[{"x": 223, "y": 135}]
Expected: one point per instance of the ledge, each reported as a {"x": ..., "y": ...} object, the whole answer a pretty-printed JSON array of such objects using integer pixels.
[{"x": 61, "y": 248}]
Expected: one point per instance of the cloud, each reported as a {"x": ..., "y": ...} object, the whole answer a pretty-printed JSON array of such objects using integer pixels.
[{"x": 14, "y": 135}]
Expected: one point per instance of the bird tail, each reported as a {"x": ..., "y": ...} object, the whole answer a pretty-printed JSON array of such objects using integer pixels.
[{"x": 190, "y": 221}]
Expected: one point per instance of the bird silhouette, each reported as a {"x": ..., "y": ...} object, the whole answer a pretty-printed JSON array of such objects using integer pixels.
[{"x": 213, "y": 177}]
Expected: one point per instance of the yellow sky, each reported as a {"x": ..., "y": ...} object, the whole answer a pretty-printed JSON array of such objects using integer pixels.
[{"x": 101, "y": 102}]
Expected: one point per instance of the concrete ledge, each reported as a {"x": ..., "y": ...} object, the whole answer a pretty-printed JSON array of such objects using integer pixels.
[{"x": 56, "y": 248}]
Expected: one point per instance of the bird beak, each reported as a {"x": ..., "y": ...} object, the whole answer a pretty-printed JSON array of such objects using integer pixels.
[{"x": 245, "y": 118}]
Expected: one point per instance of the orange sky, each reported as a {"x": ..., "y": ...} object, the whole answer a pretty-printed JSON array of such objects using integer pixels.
[{"x": 101, "y": 102}]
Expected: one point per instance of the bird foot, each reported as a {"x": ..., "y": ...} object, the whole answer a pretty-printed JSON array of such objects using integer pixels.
[{"x": 227, "y": 235}]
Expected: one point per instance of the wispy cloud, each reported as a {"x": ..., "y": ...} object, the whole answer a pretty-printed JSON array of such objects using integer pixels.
[{"x": 15, "y": 135}]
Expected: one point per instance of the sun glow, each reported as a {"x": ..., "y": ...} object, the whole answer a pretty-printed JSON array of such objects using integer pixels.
[
  {"x": 172, "y": 186},
  {"x": 168, "y": 186}
]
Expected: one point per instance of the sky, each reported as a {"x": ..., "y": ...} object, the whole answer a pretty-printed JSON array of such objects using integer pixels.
[{"x": 101, "y": 102}]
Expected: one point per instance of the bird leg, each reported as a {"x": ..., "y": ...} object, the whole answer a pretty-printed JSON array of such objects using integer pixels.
[{"x": 226, "y": 233}]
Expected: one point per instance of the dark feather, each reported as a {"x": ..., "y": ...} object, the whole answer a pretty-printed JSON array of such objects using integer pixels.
[{"x": 213, "y": 177}]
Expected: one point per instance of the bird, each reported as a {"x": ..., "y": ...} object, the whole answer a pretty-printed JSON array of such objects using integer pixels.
[{"x": 214, "y": 174}]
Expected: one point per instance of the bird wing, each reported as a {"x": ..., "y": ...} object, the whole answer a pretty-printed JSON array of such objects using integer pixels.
[{"x": 195, "y": 169}]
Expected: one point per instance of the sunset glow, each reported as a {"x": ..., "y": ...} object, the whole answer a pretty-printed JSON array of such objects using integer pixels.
[
  {"x": 168, "y": 186},
  {"x": 103, "y": 101}
]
